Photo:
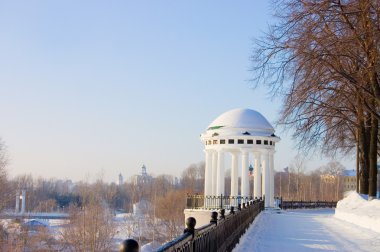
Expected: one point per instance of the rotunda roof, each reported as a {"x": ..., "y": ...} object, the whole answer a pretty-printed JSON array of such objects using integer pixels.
[{"x": 242, "y": 119}]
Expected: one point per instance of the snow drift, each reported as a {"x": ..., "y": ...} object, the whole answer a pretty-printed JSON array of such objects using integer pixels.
[{"x": 357, "y": 210}]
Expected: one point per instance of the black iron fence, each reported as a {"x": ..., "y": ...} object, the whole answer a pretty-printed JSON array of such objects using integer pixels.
[
  {"x": 215, "y": 202},
  {"x": 222, "y": 234},
  {"x": 306, "y": 204}
]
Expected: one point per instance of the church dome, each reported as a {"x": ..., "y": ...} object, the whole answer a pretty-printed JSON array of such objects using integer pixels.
[{"x": 237, "y": 119}]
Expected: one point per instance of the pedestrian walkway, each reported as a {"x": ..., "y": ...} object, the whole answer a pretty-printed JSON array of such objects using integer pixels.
[{"x": 306, "y": 230}]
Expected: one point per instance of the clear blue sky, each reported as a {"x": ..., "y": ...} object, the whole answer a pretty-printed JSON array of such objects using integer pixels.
[{"x": 112, "y": 85}]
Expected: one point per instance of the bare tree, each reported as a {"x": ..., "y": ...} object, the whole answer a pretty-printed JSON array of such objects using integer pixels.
[
  {"x": 298, "y": 167},
  {"x": 90, "y": 229},
  {"x": 323, "y": 58},
  {"x": 335, "y": 170},
  {"x": 296, "y": 183},
  {"x": 4, "y": 185},
  {"x": 193, "y": 178},
  {"x": 170, "y": 210}
]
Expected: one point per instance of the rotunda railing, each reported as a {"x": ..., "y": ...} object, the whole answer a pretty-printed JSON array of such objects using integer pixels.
[{"x": 198, "y": 201}]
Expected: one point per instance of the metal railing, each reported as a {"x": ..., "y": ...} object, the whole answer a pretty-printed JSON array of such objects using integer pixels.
[
  {"x": 215, "y": 202},
  {"x": 220, "y": 235},
  {"x": 307, "y": 204}
]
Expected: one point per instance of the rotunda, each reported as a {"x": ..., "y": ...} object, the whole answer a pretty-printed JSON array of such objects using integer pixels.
[{"x": 245, "y": 135}]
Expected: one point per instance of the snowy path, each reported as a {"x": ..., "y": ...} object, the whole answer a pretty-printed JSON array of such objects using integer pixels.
[{"x": 306, "y": 230}]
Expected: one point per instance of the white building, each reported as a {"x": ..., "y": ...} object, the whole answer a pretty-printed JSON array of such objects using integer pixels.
[
  {"x": 142, "y": 207},
  {"x": 240, "y": 133},
  {"x": 243, "y": 135},
  {"x": 143, "y": 178},
  {"x": 349, "y": 180}
]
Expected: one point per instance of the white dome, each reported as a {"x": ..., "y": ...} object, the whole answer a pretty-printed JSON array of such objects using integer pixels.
[{"x": 242, "y": 119}]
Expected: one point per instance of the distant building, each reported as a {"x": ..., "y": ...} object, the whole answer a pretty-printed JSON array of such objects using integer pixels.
[
  {"x": 121, "y": 180},
  {"x": 142, "y": 207},
  {"x": 349, "y": 180},
  {"x": 143, "y": 178},
  {"x": 328, "y": 178}
]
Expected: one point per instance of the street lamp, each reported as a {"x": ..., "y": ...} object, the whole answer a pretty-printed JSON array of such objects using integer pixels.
[{"x": 250, "y": 170}]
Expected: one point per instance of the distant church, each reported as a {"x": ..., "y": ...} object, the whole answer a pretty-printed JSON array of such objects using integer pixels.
[
  {"x": 121, "y": 180},
  {"x": 144, "y": 178}
]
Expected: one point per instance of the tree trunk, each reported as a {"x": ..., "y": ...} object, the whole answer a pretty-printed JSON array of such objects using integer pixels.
[
  {"x": 373, "y": 158},
  {"x": 364, "y": 152},
  {"x": 357, "y": 166}
]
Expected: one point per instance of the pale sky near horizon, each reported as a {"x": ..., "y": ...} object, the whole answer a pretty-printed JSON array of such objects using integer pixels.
[{"x": 111, "y": 85}]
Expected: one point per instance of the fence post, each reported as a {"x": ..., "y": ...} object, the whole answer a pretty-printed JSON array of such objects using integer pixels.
[
  {"x": 221, "y": 201},
  {"x": 222, "y": 212},
  {"x": 190, "y": 225},
  {"x": 214, "y": 218},
  {"x": 232, "y": 210},
  {"x": 129, "y": 245}
]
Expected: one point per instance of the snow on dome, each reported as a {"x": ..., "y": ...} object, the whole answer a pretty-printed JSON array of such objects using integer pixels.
[{"x": 242, "y": 119}]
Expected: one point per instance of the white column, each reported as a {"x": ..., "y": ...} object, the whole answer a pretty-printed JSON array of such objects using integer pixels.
[
  {"x": 220, "y": 174},
  {"x": 214, "y": 159},
  {"x": 266, "y": 178},
  {"x": 234, "y": 174},
  {"x": 244, "y": 174},
  {"x": 271, "y": 165},
  {"x": 17, "y": 208},
  {"x": 257, "y": 176},
  {"x": 23, "y": 201},
  {"x": 208, "y": 173}
]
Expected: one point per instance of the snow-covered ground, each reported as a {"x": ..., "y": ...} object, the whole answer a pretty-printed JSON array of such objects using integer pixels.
[
  {"x": 306, "y": 230},
  {"x": 355, "y": 208}
]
